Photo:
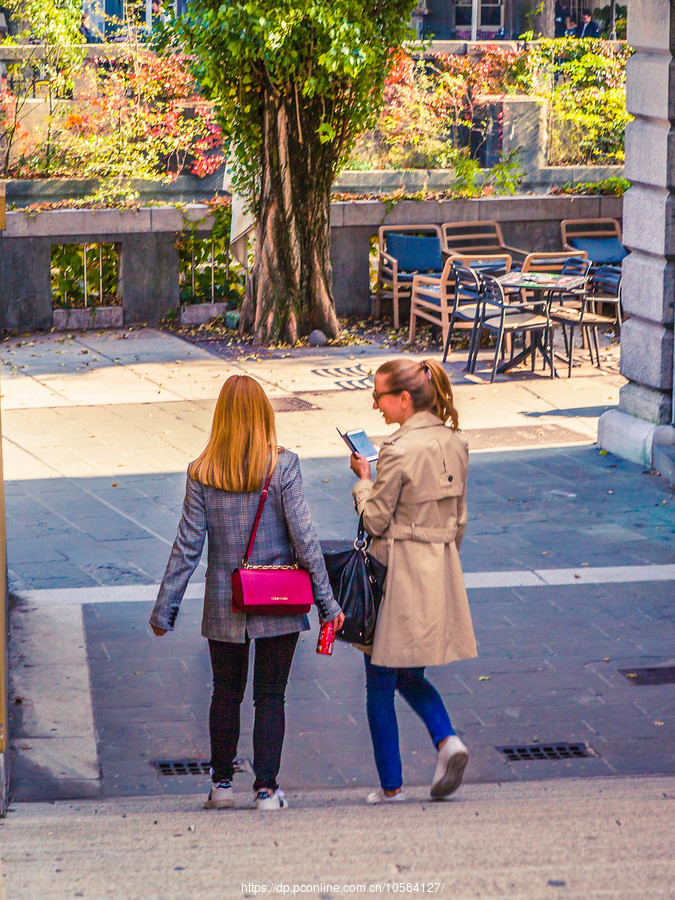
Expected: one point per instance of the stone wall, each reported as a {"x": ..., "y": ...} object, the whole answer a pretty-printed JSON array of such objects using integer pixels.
[
  {"x": 532, "y": 223},
  {"x": 149, "y": 264},
  {"x": 148, "y": 276}
]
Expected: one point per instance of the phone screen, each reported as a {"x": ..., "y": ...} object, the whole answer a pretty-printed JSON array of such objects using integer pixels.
[{"x": 362, "y": 444}]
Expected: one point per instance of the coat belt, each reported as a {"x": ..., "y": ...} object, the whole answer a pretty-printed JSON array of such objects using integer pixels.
[{"x": 421, "y": 533}]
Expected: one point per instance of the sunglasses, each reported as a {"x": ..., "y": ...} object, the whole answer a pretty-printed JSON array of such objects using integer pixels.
[{"x": 377, "y": 395}]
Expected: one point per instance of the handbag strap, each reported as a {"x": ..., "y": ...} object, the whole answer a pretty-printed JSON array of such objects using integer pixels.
[
  {"x": 363, "y": 539},
  {"x": 256, "y": 521}
]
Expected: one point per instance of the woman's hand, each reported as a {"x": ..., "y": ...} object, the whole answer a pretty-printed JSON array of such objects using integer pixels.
[
  {"x": 157, "y": 630},
  {"x": 360, "y": 467},
  {"x": 339, "y": 621}
]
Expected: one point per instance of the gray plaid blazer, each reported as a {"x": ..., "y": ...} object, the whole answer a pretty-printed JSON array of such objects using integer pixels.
[{"x": 227, "y": 518}]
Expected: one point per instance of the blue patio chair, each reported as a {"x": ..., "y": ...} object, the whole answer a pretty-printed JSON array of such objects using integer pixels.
[
  {"x": 599, "y": 239},
  {"x": 405, "y": 251}
]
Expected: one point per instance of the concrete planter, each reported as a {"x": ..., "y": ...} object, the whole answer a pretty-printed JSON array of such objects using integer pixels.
[
  {"x": 198, "y": 313},
  {"x": 92, "y": 317},
  {"x": 183, "y": 189},
  {"x": 539, "y": 179},
  {"x": 148, "y": 276}
]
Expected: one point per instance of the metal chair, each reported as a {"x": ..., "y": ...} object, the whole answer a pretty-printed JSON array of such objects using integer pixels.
[
  {"x": 466, "y": 305},
  {"x": 433, "y": 298},
  {"x": 604, "y": 290},
  {"x": 579, "y": 309},
  {"x": 506, "y": 318}
]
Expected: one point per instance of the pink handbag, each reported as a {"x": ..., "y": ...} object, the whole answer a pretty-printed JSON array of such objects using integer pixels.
[{"x": 276, "y": 590}]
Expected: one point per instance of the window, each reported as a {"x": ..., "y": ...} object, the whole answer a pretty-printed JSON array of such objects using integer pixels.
[
  {"x": 463, "y": 13},
  {"x": 490, "y": 14}
]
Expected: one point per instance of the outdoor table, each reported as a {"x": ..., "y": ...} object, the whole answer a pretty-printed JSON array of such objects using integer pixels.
[
  {"x": 548, "y": 284},
  {"x": 541, "y": 281}
]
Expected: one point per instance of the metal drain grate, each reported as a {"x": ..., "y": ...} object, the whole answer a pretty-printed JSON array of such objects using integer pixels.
[
  {"x": 546, "y": 751},
  {"x": 194, "y": 766},
  {"x": 291, "y": 404},
  {"x": 654, "y": 675}
]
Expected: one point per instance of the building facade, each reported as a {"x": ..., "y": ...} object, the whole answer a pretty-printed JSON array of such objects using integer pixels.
[{"x": 485, "y": 20}]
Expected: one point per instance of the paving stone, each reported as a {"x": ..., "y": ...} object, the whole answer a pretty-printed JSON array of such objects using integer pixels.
[{"x": 541, "y": 647}]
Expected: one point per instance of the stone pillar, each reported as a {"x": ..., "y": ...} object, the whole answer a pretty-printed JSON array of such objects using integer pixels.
[
  {"x": 644, "y": 418},
  {"x": 524, "y": 130},
  {"x": 25, "y": 284},
  {"x": 4, "y": 659},
  {"x": 148, "y": 278}
]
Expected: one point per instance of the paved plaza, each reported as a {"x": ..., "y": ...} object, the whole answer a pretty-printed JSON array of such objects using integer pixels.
[{"x": 569, "y": 560}]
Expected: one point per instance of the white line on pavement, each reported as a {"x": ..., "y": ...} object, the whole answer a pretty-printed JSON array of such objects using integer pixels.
[
  {"x": 580, "y": 575},
  {"x": 146, "y": 593}
]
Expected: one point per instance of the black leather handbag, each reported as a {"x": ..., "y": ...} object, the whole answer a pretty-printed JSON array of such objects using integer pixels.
[{"x": 357, "y": 579}]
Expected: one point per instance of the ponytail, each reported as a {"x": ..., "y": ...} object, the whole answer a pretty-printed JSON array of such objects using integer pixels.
[{"x": 443, "y": 406}]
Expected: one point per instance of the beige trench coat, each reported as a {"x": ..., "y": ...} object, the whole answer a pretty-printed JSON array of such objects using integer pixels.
[{"x": 416, "y": 511}]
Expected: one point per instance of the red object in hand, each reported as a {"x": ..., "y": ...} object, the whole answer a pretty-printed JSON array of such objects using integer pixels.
[{"x": 326, "y": 639}]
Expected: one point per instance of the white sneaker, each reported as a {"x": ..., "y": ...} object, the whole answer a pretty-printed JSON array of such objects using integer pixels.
[
  {"x": 221, "y": 796},
  {"x": 381, "y": 797},
  {"x": 271, "y": 799},
  {"x": 452, "y": 759}
]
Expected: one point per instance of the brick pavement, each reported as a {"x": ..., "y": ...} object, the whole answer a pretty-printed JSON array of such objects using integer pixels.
[{"x": 95, "y": 464}]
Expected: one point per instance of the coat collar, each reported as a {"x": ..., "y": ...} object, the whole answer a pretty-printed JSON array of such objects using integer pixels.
[{"x": 424, "y": 419}]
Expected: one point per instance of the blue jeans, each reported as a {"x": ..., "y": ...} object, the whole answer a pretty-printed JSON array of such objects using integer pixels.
[{"x": 420, "y": 695}]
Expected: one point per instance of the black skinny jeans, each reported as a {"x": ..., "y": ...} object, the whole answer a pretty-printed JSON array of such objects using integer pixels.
[{"x": 229, "y": 663}]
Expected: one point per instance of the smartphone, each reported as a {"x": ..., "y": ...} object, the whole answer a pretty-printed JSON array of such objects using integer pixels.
[{"x": 359, "y": 442}]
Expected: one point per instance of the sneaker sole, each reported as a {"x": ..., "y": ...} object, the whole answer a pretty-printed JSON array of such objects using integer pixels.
[
  {"x": 452, "y": 778},
  {"x": 218, "y": 804},
  {"x": 283, "y": 805},
  {"x": 382, "y": 802}
]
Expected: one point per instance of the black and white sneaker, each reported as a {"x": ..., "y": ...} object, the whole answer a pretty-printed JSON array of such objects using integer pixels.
[{"x": 221, "y": 796}]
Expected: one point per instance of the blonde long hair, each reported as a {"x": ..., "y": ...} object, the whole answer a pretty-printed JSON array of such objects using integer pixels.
[
  {"x": 242, "y": 449},
  {"x": 427, "y": 384}
]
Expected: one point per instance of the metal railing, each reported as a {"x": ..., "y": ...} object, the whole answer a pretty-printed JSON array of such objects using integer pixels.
[{"x": 75, "y": 280}]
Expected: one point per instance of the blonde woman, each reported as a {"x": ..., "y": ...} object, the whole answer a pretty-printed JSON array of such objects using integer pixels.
[
  {"x": 415, "y": 510},
  {"x": 221, "y": 498}
]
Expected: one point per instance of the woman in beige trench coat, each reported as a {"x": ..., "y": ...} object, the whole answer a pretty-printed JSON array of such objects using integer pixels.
[{"x": 416, "y": 512}]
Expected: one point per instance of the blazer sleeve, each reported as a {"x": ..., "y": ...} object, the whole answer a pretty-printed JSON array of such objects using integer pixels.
[
  {"x": 377, "y": 500},
  {"x": 184, "y": 559},
  {"x": 305, "y": 540}
]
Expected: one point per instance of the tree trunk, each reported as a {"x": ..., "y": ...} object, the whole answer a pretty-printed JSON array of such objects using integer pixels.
[
  {"x": 541, "y": 19},
  {"x": 290, "y": 291}
]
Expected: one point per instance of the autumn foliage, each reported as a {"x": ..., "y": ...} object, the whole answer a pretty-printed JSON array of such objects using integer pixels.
[{"x": 140, "y": 117}]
